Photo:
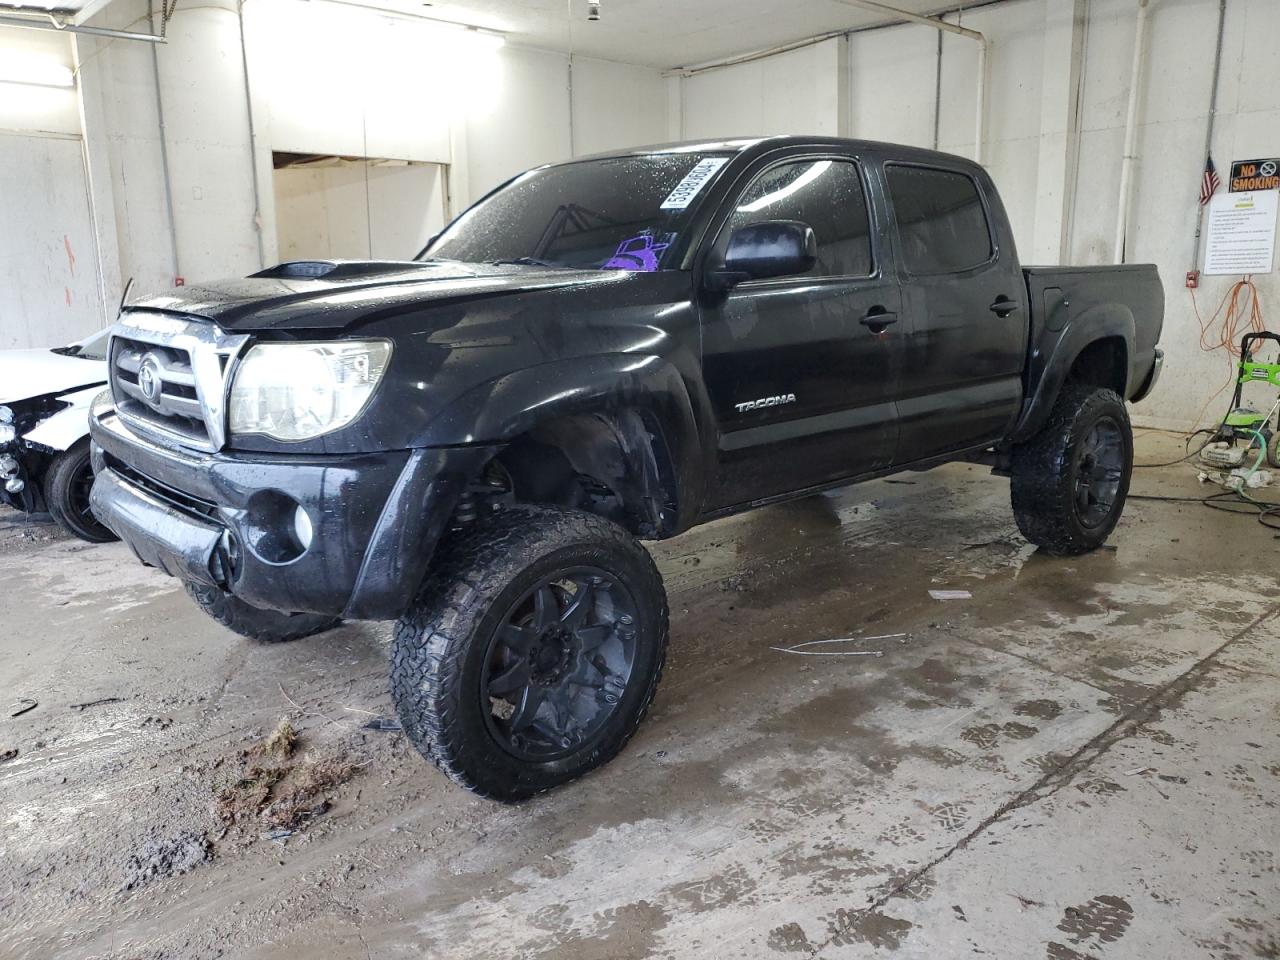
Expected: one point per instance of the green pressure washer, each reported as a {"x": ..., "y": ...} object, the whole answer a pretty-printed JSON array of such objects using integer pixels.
[{"x": 1247, "y": 423}]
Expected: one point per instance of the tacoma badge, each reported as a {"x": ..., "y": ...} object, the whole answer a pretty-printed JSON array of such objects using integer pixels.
[{"x": 777, "y": 401}]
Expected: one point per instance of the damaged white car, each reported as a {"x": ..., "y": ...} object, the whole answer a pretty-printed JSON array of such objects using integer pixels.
[{"x": 44, "y": 432}]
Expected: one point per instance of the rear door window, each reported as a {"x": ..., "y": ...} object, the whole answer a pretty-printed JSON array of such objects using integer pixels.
[
  {"x": 942, "y": 224},
  {"x": 825, "y": 194}
]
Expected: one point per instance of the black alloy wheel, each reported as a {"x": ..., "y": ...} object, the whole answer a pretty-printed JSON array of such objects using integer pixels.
[
  {"x": 1099, "y": 469},
  {"x": 558, "y": 664},
  {"x": 532, "y": 652},
  {"x": 1068, "y": 483},
  {"x": 67, "y": 485}
]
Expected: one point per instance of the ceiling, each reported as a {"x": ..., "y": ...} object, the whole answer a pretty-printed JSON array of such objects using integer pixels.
[
  {"x": 656, "y": 33},
  {"x": 662, "y": 33}
]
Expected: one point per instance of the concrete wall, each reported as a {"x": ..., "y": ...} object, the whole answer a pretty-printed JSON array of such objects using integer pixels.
[
  {"x": 49, "y": 281},
  {"x": 528, "y": 125},
  {"x": 799, "y": 91},
  {"x": 1058, "y": 167}
]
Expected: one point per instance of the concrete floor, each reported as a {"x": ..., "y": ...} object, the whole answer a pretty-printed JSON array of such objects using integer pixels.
[{"x": 1083, "y": 760}]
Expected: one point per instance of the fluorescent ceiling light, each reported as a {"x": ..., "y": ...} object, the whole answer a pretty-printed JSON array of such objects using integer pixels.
[{"x": 36, "y": 71}]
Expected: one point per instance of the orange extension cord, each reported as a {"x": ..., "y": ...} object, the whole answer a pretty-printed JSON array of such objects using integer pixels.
[{"x": 1223, "y": 329}]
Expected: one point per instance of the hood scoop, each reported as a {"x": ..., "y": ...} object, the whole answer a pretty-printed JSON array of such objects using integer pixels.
[{"x": 336, "y": 269}]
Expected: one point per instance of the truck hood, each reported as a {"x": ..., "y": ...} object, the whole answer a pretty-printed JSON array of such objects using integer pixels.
[
  {"x": 350, "y": 291},
  {"x": 36, "y": 373}
]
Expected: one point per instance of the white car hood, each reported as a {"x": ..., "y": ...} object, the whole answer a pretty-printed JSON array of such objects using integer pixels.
[{"x": 34, "y": 373}]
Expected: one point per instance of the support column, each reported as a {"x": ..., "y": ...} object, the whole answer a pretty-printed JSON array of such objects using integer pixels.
[
  {"x": 1059, "y": 129},
  {"x": 675, "y": 108},
  {"x": 844, "y": 92}
]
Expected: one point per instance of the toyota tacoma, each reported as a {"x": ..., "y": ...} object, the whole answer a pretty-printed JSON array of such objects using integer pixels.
[{"x": 598, "y": 352}]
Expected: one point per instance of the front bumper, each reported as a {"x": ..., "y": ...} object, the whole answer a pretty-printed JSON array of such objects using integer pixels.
[{"x": 226, "y": 519}]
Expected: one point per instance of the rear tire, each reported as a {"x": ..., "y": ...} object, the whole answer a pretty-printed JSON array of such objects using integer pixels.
[
  {"x": 1069, "y": 482},
  {"x": 261, "y": 626},
  {"x": 66, "y": 491},
  {"x": 533, "y": 651}
]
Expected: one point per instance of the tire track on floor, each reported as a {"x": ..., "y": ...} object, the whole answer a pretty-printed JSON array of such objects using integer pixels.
[{"x": 1148, "y": 710}]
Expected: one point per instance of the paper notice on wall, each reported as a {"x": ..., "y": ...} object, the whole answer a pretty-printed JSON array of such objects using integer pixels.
[{"x": 1242, "y": 233}]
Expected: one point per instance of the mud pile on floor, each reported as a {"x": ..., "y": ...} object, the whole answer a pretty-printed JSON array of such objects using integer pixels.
[
  {"x": 159, "y": 856},
  {"x": 278, "y": 786}
]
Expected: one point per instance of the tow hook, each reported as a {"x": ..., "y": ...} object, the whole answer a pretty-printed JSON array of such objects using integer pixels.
[{"x": 224, "y": 564}]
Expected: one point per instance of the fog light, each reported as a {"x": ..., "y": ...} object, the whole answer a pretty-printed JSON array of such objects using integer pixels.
[
  {"x": 8, "y": 467},
  {"x": 16, "y": 485},
  {"x": 302, "y": 527}
]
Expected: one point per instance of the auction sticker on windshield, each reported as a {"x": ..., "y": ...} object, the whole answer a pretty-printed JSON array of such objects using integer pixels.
[{"x": 694, "y": 180}]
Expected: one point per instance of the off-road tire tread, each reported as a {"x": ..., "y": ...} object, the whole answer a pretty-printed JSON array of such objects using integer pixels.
[
  {"x": 260, "y": 626},
  {"x": 431, "y": 640},
  {"x": 1042, "y": 465},
  {"x": 57, "y": 483}
]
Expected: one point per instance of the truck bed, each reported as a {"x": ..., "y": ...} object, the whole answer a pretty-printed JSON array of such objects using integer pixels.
[{"x": 1069, "y": 304}]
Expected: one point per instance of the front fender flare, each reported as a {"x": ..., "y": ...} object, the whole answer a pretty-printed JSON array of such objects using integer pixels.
[{"x": 507, "y": 406}]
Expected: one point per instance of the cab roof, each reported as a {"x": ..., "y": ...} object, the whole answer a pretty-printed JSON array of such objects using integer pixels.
[{"x": 759, "y": 145}]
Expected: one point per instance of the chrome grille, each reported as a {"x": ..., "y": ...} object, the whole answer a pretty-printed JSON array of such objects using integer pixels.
[{"x": 169, "y": 377}]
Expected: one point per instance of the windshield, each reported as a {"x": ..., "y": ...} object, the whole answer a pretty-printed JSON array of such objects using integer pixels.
[
  {"x": 622, "y": 213},
  {"x": 90, "y": 348}
]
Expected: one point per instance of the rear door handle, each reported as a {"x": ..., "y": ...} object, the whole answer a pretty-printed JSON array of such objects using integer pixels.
[
  {"x": 876, "y": 322},
  {"x": 1003, "y": 307}
]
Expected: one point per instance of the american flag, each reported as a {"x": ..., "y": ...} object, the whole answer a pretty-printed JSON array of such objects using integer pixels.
[{"x": 1209, "y": 182}]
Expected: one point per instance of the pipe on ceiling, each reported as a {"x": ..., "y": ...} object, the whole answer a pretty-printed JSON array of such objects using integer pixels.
[
  {"x": 52, "y": 23},
  {"x": 755, "y": 55}
]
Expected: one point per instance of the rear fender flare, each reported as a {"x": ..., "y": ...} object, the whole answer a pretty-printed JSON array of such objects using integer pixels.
[{"x": 1098, "y": 323}]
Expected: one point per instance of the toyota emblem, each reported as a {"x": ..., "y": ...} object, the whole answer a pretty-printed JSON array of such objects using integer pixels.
[{"x": 149, "y": 379}]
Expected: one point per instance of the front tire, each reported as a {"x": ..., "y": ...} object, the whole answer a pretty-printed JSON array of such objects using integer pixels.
[
  {"x": 66, "y": 491},
  {"x": 1069, "y": 482},
  {"x": 533, "y": 652},
  {"x": 261, "y": 626}
]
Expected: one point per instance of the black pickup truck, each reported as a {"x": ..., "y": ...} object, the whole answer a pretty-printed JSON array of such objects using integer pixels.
[{"x": 600, "y": 351}]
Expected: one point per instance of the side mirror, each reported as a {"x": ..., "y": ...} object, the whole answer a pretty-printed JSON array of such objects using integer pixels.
[{"x": 771, "y": 248}]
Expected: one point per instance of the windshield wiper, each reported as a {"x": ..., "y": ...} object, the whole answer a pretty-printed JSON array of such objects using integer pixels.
[{"x": 528, "y": 262}]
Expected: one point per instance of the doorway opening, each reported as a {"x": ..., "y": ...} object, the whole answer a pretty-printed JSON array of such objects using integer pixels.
[{"x": 356, "y": 208}]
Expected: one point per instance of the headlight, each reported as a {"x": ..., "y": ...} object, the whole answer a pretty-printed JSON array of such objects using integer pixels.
[
  {"x": 296, "y": 391},
  {"x": 6, "y": 415},
  {"x": 8, "y": 433}
]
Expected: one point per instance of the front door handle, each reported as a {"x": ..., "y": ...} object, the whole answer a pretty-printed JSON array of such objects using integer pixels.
[
  {"x": 877, "y": 321},
  {"x": 1003, "y": 307}
]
